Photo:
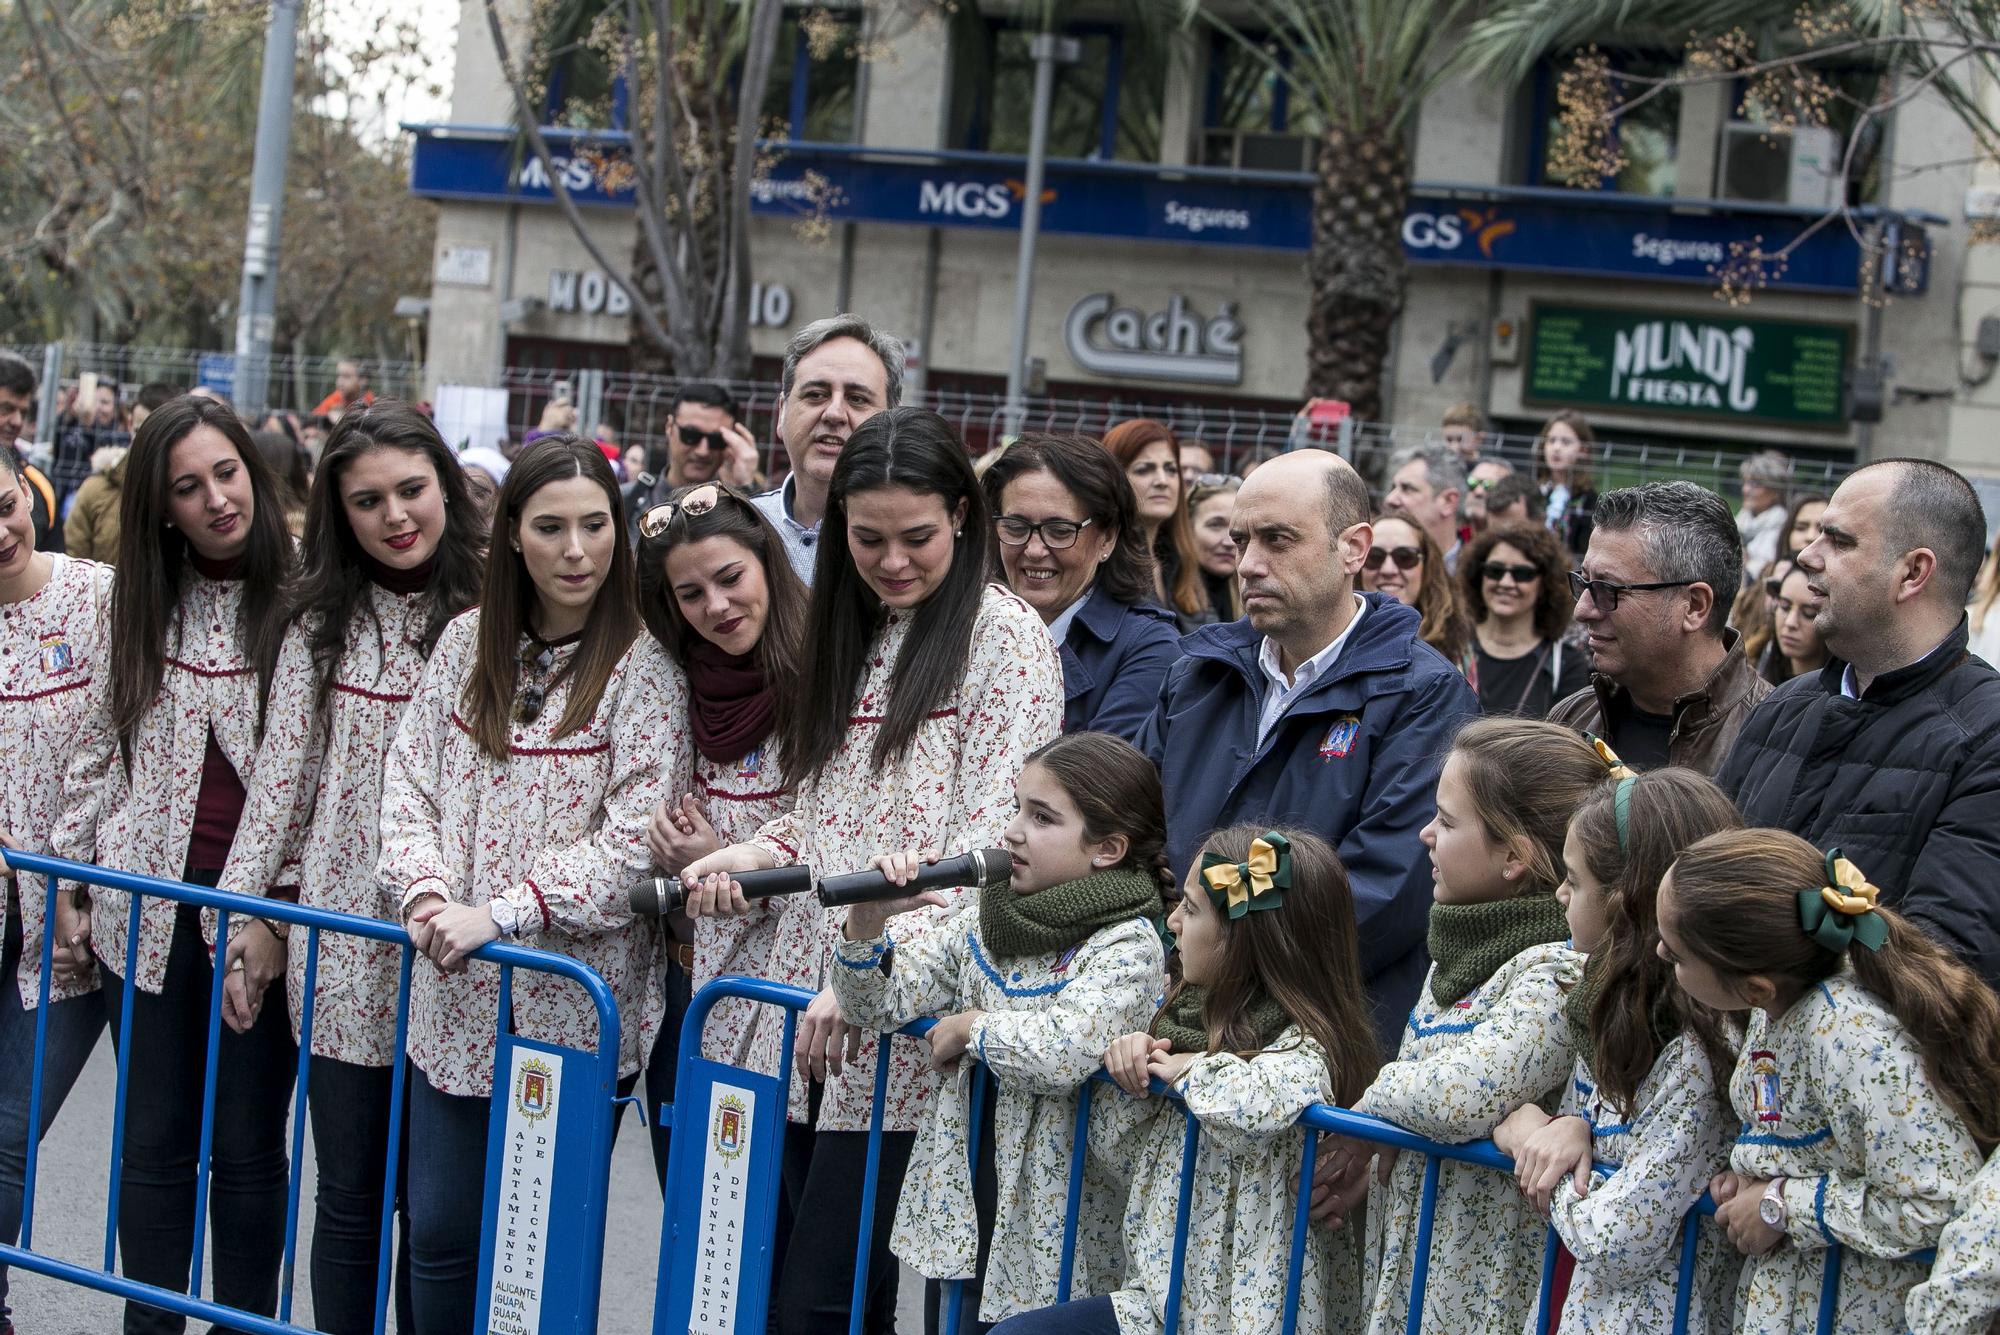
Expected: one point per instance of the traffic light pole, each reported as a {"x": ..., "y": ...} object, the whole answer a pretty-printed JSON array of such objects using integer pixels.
[{"x": 256, "y": 310}]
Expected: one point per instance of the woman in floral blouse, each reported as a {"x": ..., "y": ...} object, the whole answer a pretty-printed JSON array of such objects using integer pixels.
[
  {"x": 393, "y": 550},
  {"x": 719, "y": 594},
  {"x": 514, "y": 805},
  {"x": 925, "y": 691},
  {"x": 156, "y": 786},
  {"x": 54, "y": 623}
]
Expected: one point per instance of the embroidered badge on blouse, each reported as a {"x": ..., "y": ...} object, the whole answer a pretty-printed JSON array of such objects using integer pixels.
[
  {"x": 751, "y": 764},
  {"x": 1765, "y": 1097},
  {"x": 1340, "y": 738},
  {"x": 56, "y": 656},
  {"x": 1062, "y": 960}
]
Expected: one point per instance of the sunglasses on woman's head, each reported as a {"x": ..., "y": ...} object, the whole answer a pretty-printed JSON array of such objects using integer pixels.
[
  {"x": 1495, "y": 570},
  {"x": 1403, "y": 558},
  {"x": 697, "y": 502}
]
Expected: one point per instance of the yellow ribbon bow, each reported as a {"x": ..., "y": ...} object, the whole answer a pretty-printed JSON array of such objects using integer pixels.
[
  {"x": 1619, "y": 769},
  {"x": 1236, "y": 884},
  {"x": 1851, "y": 892}
]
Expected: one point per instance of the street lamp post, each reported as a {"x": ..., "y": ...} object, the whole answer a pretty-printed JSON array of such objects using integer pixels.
[
  {"x": 1047, "y": 50},
  {"x": 256, "y": 318}
]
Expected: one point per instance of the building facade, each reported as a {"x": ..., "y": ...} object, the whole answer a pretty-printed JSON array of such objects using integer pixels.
[{"x": 1176, "y": 216}]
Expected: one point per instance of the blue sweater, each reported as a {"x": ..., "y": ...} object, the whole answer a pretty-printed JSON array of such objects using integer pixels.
[{"x": 1355, "y": 759}]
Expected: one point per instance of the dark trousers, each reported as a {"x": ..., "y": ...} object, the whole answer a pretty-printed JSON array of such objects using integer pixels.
[
  {"x": 350, "y": 1107},
  {"x": 247, "y": 1169},
  {"x": 823, "y": 1177},
  {"x": 1090, "y": 1316},
  {"x": 72, "y": 1032},
  {"x": 447, "y": 1203},
  {"x": 661, "y": 1062}
]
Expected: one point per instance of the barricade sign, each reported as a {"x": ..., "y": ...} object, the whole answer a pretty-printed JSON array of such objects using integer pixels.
[{"x": 548, "y": 1149}]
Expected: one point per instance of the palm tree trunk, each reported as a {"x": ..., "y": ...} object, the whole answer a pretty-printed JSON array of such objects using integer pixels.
[{"x": 1356, "y": 269}]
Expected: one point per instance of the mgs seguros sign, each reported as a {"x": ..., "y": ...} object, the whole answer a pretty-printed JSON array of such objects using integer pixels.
[{"x": 1744, "y": 370}]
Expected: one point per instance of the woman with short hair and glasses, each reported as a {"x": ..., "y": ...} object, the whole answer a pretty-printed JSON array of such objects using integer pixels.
[
  {"x": 543, "y": 731},
  {"x": 1071, "y": 547},
  {"x": 1512, "y": 580},
  {"x": 1405, "y": 563}
]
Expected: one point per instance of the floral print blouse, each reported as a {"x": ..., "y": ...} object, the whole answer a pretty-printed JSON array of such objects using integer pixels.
[
  {"x": 1962, "y": 1296},
  {"x": 312, "y": 819},
  {"x": 1461, "y": 1069},
  {"x": 1626, "y": 1232},
  {"x": 1832, "y": 1097},
  {"x": 953, "y": 792},
  {"x": 1046, "y": 1024},
  {"x": 141, "y": 819},
  {"x": 557, "y": 830},
  {"x": 52, "y": 648}
]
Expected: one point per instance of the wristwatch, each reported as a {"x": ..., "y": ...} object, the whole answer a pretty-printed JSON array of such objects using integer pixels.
[
  {"x": 504, "y": 917},
  {"x": 1771, "y": 1208}
]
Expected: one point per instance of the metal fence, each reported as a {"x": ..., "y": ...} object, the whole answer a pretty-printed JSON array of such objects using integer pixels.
[
  {"x": 581, "y": 1131},
  {"x": 638, "y": 409}
]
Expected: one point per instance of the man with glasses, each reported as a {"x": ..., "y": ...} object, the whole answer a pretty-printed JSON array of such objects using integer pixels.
[
  {"x": 1891, "y": 752},
  {"x": 1670, "y": 685},
  {"x": 1322, "y": 708},
  {"x": 701, "y": 427}
]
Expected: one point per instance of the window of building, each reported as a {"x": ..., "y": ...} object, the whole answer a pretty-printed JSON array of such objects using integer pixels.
[
  {"x": 1647, "y": 135},
  {"x": 1253, "y": 118},
  {"x": 813, "y": 71},
  {"x": 1106, "y": 105}
]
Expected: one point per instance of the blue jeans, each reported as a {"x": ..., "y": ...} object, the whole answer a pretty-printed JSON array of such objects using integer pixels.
[
  {"x": 349, "y": 1106},
  {"x": 1090, "y": 1316},
  {"x": 248, "y": 1184},
  {"x": 447, "y": 1202},
  {"x": 73, "y": 1029}
]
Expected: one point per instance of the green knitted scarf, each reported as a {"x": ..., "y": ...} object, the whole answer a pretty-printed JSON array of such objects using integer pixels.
[
  {"x": 1582, "y": 1000},
  {"x": 1180, "y": 1023},
  {"x": 1470, "y": 942},
  {"x": 1065, "y": 915}
]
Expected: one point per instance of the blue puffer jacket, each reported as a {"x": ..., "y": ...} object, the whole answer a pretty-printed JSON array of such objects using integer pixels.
[
  {"x": 1113, "y": 660},
  {"x": 1355, "y": 759}
]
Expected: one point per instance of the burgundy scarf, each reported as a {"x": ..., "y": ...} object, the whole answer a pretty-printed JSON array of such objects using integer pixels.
[{"x": 732, "y": 702}]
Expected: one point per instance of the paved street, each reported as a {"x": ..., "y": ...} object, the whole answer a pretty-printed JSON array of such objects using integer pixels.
[{"x": 69, "y": 1223}]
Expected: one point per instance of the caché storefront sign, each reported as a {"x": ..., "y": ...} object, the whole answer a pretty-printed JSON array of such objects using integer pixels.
[{"x": 1124, "y": 343}]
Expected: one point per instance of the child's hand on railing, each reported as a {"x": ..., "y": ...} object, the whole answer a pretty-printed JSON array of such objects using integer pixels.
[
  {"x": 824, "y": 1035},
  {"x": 1562, "y": 1147},
  {"x": 256, "y": 956},
  {"x": 455, "y": 931},
  {"x": 1127, "y": 1059},
  {"x": 949, "y": 1039},
  {"x": 1340, "y": 1184}
]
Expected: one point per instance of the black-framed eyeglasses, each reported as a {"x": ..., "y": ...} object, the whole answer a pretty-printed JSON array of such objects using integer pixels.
[
  {"x": 1495, "y": 571},
  {"x": 1605, "y": 595},
  {"x": 1055, "y": 534},
  {"x": 528, "y": 704},
  {"x": 697, "y": 502},
  {"x": 696, "y": 439},
  {"x": 1405, "y": 558}
]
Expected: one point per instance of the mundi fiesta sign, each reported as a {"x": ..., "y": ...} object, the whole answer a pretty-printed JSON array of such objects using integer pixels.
[{"x": 1692, "y": 365}]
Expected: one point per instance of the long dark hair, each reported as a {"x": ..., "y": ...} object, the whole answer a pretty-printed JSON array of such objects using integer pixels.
[
  {"x": 1304, "y": 955},
  {"x": 1117, "y": 791},
  {"x": 1445, "y": 626},
  {"x": 332, "y": 580},
  {"x": 1553, "y": 603},
  {"x": 1666, "y": 810},
  {"x": 508, "y": 596},
  {"x": 915, "y": 449},
  {"x": 1087, "y": 472},
  {"x": 1736, "y": 898},
  {"x": 781, "y": 646},
  {"x": 154, "y": 566}
]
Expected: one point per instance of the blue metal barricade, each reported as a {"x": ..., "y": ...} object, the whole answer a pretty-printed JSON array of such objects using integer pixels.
[
  {"x": 550, "y": 1133},
  {"x": 717, "y": 1238}
]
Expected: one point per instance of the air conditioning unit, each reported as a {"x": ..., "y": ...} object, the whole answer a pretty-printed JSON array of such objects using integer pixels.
[
  {"x": 1769, "y": 165},
  {"x": 1253, "y": 150}
]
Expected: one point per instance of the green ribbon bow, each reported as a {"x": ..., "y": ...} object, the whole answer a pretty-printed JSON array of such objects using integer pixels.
[
  {"x": 1842, "y": 913},
  {"x": 1259, "y": 882}
]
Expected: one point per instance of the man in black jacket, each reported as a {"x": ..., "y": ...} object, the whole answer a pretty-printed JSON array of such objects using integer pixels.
[{"x": 1892, "y": 752}]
